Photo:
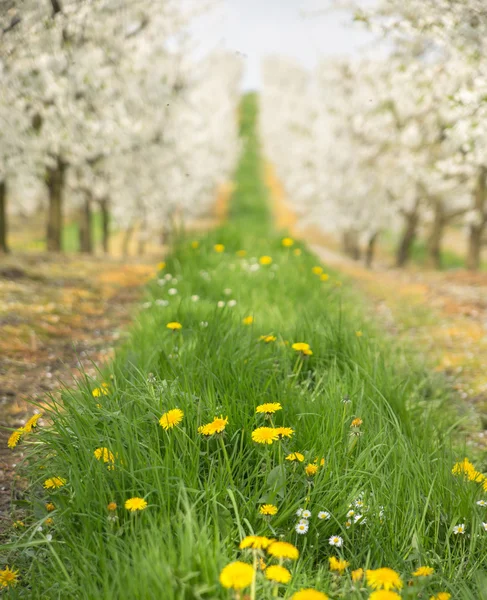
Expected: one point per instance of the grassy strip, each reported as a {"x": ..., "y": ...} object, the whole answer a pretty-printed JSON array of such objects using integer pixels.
[{"x": 204, "y": 493}]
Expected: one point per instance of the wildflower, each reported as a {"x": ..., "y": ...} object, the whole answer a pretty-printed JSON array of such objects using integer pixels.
[
  {"x": 174, "y": 325},
  {"x": 269, "y": 408},
  {"x": 324, "y": 277},
  {"x": 283, "y": 432},
  {"x": 350, "y": 513},
  {"x": 384, "y": 578},
  {"x": 441, "y": 596},
  {"x": 241, "y": 253},
  {"x": 482, "y": 503},
  {"x": 459, "y": 529},
  {"x": 172, "y": 291},
  {"x": 297, "y": 252},
  {"x": 220, "y": 304},
  {"x": 302, "y": 527},
  {"x": 267, "y": 338},
  {"x": 311, "y": 470},
  {"x": 261, "y": 564},
  {"x": 195, "y": 244},
  {"x": 105, "y": 455},
  {"x": 338, "y": 564},
  {"x": 348, "y": 524},
  {"x": 317, "y": 270},
  {"x": 295, "y": 456},
  {"x": 423, "y": 572},
  {"x": 8, "y": 577},
  {"x": 323, "y": 515},
  {"x": 309, "y": 594},
  {"x": 319, "y": 460},
  {"x": 216, "y": 426},
  {"x": 467, "y": 469},
  {"x": 384, "y": 595},
  {"x": 283, "y": 550},
  {"x": 359, "y": 334},
  {"x": 112, "y": 506},
  {"x": 161, "y": 266},
  {"x": 264, "y": 435},
  {"x": 278, "y": 574},
  {"x": 268, "y": 510},
  {"x": 256, "y": 542},
  {"x": 484, "y": 525},
  {"x": 49, "y": 521},
  {"x": 195, "y": 298},
  {"x": 357, "y": 575},
  {"x": 54, "y": 482},
  {"x": 356, "y": 422},
  {"x": 18, "y": 524},
  {"x": 219, "y": 248},
  {"x": 50, "y": 507},
  {"x": 232, "y": 303},
  {"x": 287, "y": 242},
  {"x": 237, "y": 575},
  {"x": 303, "y": 348},
  {"x": 100, "y": 391},
  {"x": 306, "y": 514},
  {"x": 171, "y": 418},
  {"x": 135, "y": 504},
  {"x": 335, "y": 540},
  {"x": 248, "y": 320},
  {"x": 265, "y": 260},
  {"x": 32, "y": 422},
  {"x": 15, "y": 438}
]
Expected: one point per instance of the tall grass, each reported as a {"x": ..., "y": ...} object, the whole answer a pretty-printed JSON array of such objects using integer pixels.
[{"x": 204, "y": 495}]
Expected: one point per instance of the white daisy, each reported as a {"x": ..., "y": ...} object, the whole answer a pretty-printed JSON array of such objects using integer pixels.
[
  {"x": 172, "y": 291},
  {"x": 168, "y": 276},
  {"x": 459, "y": 529},
  {"x": 306, "y": 514},
  {"x": 336, "y": 540},
  {"x": 220, "y": 304},
  {"x": 323, "y": 515},
  {"x": 49, "y": 537},
  {"x": 227, "y": 291},
  {"x": 232, "y": 303},
  {"x": 348, "y": 524},
  {"x": 161, "y": 282},
  {"x": 350, "y": 513},
  {"x": 356, "y": 518},
  {"x": 195, "y": 297},
  {"x": 481, "y": 502},
  {"x": 299, "y": 512},
  {"x": 484, "y": 525},
  {"x": 160, "y": 302},
  {"x": 302, "y": 527},
  {"x": 359, "y": 503}
]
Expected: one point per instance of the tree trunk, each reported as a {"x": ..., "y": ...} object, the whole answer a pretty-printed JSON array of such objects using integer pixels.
[
  {"x": 476, "y": 230},
  {"x": 105, "y": 223},
  {"x": 370, "y": 250},
  {"x": 85, "y": 229},
  {"x": 3, "y": 218},
  {"x": 407, "y": 238},
  {"x": 350, "y": 244},
  {"x": 126, "y": 240},
  {"x": 55, "y": 184},
  {"x": 435, "y": 236}
]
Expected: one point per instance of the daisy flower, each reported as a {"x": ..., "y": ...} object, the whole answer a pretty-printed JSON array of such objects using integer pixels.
[
  {"x": 171, "y": 418},
  {"x": 323, "y": 515},
  {"x": 459, "y": 529},
  {"x": 172, "y": 291},
  {"x": 335, "y": 540},
  {"x": 220, "y": 304},
  {"x": 302, "y": 527},
  {"x": 306, "y": 514},
  {"x": 482, "y": 503},
  {"x": 299, "y": 512},
  {"x": 484, "y": 525},
  {"x": 237, "y": 575}
]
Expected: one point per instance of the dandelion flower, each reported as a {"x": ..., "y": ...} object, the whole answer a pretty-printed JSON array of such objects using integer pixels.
[
  {"x": 265, "y": 260},
  {"x": 18, "y": 524},
  {"x": 161, "y": 266},
  {"x": 335, "y": 540},
  {"x": 171, "y": 418},
  {"x": 357, "y": 575},
  {"x": 15, "y": 438},
  {"x": 237, "y": 575},
  {"x": 32, "y": 422},
  {"x": 303, "y": 348},
  {"x": 287, "y": 242},
  {"x": 302, "y": 527},
  {"x": 467, "y": 469},
  {"x": 105, "y": 455},
  {"x": 112, "y": 506},
  {"x": 278, "y": 574},
  {"x": 441, "y": 596},
  {"x": 283, "y": 550},
  {"x": 324, "y": 277},
  {"x": 267, "y": 338},
  {"x": 219, "y": 248},
  {"x": 135, "y": 504},
  {"x": 311, "y": 470},
  {"x": 268, "y": 510},
  {"x": 317, "y": 270},
  {"x": 269, "y": 408},
  {"x": 256, "y": 542},
  {"x": 309, "y": 594},
  {"x": 423, "y": 572},
  {"x": 50, "y": 507},
  {"x": 359, "y": 334},
  {"x": 323, "y": 515},
  {"x": 265, "y": 435},
  {"x": 195, "y": 244},
  {"x": 216, "y": 426},
  {"x": 459, "y": 529},
  {"x": 99, "y": 391},
  {"x": 54, "y": 482},
  {"x": 320, "y": 461},
  {"x": 384, "y": 595},
  {"x": 356, "y": 422},
  {"x": 174, "y": 325},
  {"x": 338, "y": 564},
  {"x": 8, "y": 577},
  {"x": 283, "y": 432},
  {"x": 248, "y": 320},
  {"x": 295, "y": 456},
  {"x": 383, "y": 579}
]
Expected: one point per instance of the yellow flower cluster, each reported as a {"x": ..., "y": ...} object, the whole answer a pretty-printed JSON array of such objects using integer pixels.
[
  {"x": 105, "y": 455},
  {"x": 17, "y": 435},
  {"x": 467, "y": 469},
  {"x": 103, "y": 390},
  {"x": 267, "y": 338},
  {"x": 216, "y": 426}
]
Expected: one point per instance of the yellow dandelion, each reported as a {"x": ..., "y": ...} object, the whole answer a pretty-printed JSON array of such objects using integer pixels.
[
  {"x": 319, "y": 461},
  {"x": 283, "y": 550},
  {"x": 237, "y": 575},
  {"x": 112, "y": 506},
  {"x": 54, "y": 482},
  {"x": 384, "y": 595},
  {"x": 265, "y": 260},
  {"x": 49, "y": 521},
  {"x": 161, "y": 266},
  {"x": 135, "y": 504},
  {"x": 171, "y": 418},
  {"x": 248, "y": 320},
  {"x": 297, "y": 252},
  {"x": 441, "y": 596},
  {"x": 357, "y": 575},
  {"x": 338, "y": 564},
  {"x": 32, "y": 422},
  {"x": 278, "y": 574},
  {"x": 283, "y": 432},
  {"x": 267, "y": 338},
  {"x": 265, "y": 435},
  {"x": 241, "y": 253},
  {"x": 467, "y": 469},
  {"x": 324, "y": 277},
  {"x": 303, "y": 348},
  {"x": 423, "y": 572},
  {"x": 383, "y": 578},
  {"x": 268, "y": 510},
  {"x": 287, "y": 242},
  {"x": 195, "y": 244},
  {"x": 216, "y": 426},
  {"x": 50, "y": 506},
  {"x": 100, "y": 391},
  {"x": 15, "y": 438},
  {"x": 219, "y": 248},
  {"x": 255, "y": 542},
  {"x": 261, "y": 564},
  {"x": 105, "y": 455},
  {"x": 317, "y": 270},
  {"x": 174, "y": 326},
  {"x": 311, "y": 470},
  {"x": 356, "y": 422},
  {"x": 295, "y": 456},
  {"x": 359, "y": 334},
  {"x": 268, "y": 408},
  {"x": 8, "y": 577},
  {"x": 309, "y": 594},
  {"x": 18, "y": 524}
]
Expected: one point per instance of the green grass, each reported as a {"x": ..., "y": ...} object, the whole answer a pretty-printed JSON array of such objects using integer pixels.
[{"x": 204, "y": 495}]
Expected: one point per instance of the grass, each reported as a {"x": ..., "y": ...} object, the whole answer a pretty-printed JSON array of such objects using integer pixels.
[{"x": 204, "y": 495}]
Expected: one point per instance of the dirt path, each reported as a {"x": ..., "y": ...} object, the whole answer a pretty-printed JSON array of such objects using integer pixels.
[{"x": 442, "y": 315}]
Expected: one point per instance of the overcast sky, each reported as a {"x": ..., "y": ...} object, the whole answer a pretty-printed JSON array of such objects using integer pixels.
[{"x": 257, "y": 28}]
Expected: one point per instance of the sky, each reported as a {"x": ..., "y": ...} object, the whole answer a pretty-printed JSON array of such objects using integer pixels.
[{"x": 258, "y": 28}]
